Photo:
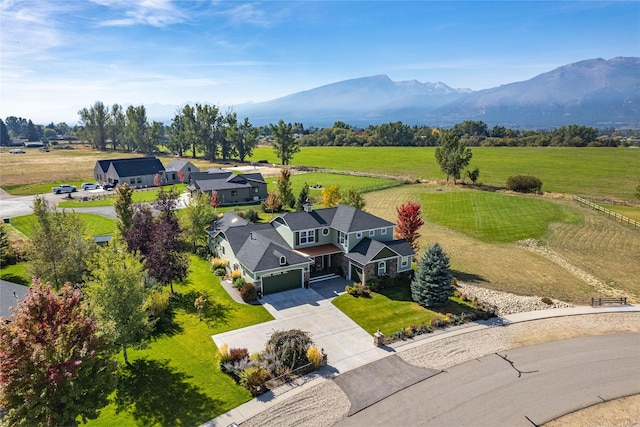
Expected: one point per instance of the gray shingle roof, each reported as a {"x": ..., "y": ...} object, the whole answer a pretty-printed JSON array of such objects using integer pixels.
[
  {"x": 342, "y": 217},
  {"x": 137, "y": 166},
  {"x": 367, "y": 249},
  {"x": 211, "y": 181}
]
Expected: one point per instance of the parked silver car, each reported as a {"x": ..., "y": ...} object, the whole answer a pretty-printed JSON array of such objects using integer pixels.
[{"x": 90, "y": 186}]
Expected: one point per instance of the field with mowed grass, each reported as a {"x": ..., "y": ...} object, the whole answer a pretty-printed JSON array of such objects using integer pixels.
[
  {"x": 594, "y": 172},
  {"x": 573, "y": 241},
  {"x": 95, "y": 225}
]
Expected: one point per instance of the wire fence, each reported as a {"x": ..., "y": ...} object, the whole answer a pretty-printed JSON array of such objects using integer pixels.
[{"x": 606, "y": 211}]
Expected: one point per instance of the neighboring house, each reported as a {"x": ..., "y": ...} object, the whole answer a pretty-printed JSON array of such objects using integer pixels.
[
  {"x": 298, "y": 246},
  {"x": 178, "y": 165},
  {"x": 232, "y": 189},
  {"x": 138, "y": 172}
]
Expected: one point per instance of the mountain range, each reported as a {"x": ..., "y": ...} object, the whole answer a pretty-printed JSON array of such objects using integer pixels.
[{"x": 595, "y": 92}]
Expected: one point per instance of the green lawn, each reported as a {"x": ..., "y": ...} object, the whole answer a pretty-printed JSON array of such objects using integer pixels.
[
  {"x": 16, "y": 273},
  {"x": 176, "y": 380},
  {"x": 632, "y": 212},
  {"x": 494, "y": 217},
  {"x": 345, "y": 182},
  {"x": 612, "y": 172},
  {"x": 392, "y": 310},
  {"x": 95, "y": 224}
]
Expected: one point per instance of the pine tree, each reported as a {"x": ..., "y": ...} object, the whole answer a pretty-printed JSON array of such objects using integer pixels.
[{"x": 431, "y": 286}]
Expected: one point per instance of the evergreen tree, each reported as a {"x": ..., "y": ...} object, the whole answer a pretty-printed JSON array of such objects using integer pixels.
[
  {"x": 303, "y": 196},
  {"x": 284, "y": 188},
  {"x": 123, "y": 206},
  {"x": 4, "y": 134},
  {"x": 431, "y": 286}
]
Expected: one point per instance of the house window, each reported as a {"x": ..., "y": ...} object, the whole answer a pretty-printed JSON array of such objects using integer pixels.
[
  {"x": 255, "y": 190},
  {"x": 382, "y": 268},
  {"x": 189, "y": 169},
  {"x": 308, "y": 236},
  {"x": 283, "y": 260},
  {"x": 405, "y": 261},
  {"x": 139, "y": 180},
  {"x": 132, "y": 181},
  {"x": 383, "y": 231},
  {"x": 359, "y": 235},
  {"x": 372, "y": 233},
  {"x": 234, "y": 192},
  {"x": 173, "y": 175},
  {"x": 342, "y": 237},
  {"x": 325, "y": 231}
]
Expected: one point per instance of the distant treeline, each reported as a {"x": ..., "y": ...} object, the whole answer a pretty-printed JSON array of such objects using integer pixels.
[{"x": 474, "y": 134}]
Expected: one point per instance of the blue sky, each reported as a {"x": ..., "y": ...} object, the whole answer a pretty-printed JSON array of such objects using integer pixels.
[{"x": 59, "y": 56}]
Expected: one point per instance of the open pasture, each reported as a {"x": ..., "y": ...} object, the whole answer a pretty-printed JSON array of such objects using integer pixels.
[
  {"x": 585, "y": 240},
  {"x": 95, "y": 225},
  {"x": 592, "y": 172},
  {"x": 494, "y": 217},
  {"x": 323, "y": 180}
]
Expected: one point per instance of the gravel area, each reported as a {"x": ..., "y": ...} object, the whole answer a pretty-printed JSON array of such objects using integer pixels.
[
  {"x": 507, "y": 303},
  {"x": 326, "y": 404}
]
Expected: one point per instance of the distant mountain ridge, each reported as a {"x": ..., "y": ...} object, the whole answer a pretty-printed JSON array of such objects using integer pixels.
[{"x": 595, "y": 92}]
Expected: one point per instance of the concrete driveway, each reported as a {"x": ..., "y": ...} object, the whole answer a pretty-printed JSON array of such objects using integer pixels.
[{"x": 346, "y": 344}]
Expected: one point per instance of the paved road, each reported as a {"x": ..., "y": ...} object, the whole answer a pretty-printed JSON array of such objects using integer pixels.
[{"x": 522, "y": 387}]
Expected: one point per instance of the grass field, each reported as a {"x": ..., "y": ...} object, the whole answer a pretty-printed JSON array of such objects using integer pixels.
[
  {"x": 139, "y": 196},
  {"x": 590, "y": 241},
  {"x": 632, "y": 212},
  {"x": 598, "y": 172},
  {"x": 95, "y": 224},
  {"x": 494, "y": 217},
  {"x": 177, "y": 379}
]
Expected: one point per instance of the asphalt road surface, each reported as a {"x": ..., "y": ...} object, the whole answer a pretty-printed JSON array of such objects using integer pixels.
[{"x": 522, "y": 387}]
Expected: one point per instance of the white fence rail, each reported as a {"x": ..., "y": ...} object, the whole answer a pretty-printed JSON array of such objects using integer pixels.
[{"x": 606, "y": 211}]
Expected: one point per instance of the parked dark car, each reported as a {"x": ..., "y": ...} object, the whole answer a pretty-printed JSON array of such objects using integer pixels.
[{"x": 108, "y": 186}]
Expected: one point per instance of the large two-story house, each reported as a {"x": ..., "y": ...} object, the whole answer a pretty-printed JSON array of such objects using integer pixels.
[
  {"x": 232, "y": 189},
  {"x": 296, "y": 246}
]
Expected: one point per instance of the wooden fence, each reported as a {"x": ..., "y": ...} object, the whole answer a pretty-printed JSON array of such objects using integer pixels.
[{"x": 606, "y": 211}]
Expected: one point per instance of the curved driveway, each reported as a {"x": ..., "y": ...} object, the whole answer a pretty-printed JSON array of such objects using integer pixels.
[{"x": 522, "y": 387}]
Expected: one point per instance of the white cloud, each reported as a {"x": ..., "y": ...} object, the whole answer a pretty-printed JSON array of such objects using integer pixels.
[{"x": 155, "y": 13}]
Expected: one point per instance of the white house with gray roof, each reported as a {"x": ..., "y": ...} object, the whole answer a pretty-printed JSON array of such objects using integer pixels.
[
  {"x": 232, "y": 189},
  {"x": 296, "y": 246}
]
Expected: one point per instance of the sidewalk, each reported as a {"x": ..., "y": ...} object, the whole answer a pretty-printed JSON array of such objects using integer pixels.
[{"x": 268, "y": 400}]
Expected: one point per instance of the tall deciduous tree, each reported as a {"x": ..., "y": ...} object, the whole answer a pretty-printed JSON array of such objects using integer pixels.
[
  {"x": 409, "y": 222},
  {"x": 115, "y": 124},
  {"x": 284, "y": 188},
  {"x": 284, "y": 144},
  {"x": 243, "y": 137},
  {"x": 138, "y": 234},
  {"x": 179, "y": 135},
  {"x": 197, "y": 215},
  {"x": 452, "y": 155},
  {"x": 54, "y": 365},
  {"x": 115, "y": 288},
  {"x": 431, "y": 286},
  {"x": 331, "y": 196},
  {"x": 58, "y": 249},
  {"x": 123, "y": 205},
  {"x": 94, "y": 119},
  {"x": 4, "y": 134},
  {"x": 209, "y": 132},
  {"x": 215, "y": 200},
  {"x": 137, "y": 130},
  {"x": 354, "y": 198}
]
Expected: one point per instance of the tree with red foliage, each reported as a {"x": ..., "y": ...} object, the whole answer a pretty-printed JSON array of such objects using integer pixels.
[
  {"x": 157, "y": 180},
  {"x": 181, "y": 176},
  {"x": 409, "y": 221},
  {"x": 54, "y": 366},
  {"x": 215, "y": 200}
]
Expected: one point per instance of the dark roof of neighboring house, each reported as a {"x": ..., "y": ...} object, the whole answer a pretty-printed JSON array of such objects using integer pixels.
[
  {"x": 178, "y": 164},
  {"x": 368, "y": 248},
  {"x": 259, "y": 247},
  {"x": 10, "y": 295},
  {"x": 222, "y": 224},
  {"x": 342, "y": 217},
  {"x": 222, "y": 180},
  {"x": 137, "y": 166}
]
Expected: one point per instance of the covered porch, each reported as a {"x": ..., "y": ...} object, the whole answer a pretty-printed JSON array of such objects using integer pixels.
[{"x": 323, "y": 257}]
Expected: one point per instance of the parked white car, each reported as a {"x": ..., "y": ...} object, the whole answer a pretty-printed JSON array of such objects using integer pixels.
[
  {"x": 64, "y": 188},
  {"x": 90, "y": 186},
  {"x": 17, "y": 151}
]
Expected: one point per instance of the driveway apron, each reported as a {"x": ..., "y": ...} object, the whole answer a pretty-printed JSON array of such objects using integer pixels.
[{"x": 346, "y": 344}]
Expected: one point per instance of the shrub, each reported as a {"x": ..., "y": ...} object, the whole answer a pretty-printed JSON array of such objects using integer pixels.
[
  {"x": 252, "y": 215},
  {"x": 373, "y": 285},
  {"x": 237, "y": 354},
  {"x": 219, "y": 263},
  {"x": 235, "y": 274},
  {"x": 223, "y": 351},
  {"x": 202, "y": 252},
  {"x": 524, "y": 184},
  {"x": 315, "y": 356},
  {"x": 547, "y": 300},
  {"x": 220, "y": 271},
  {"x": 239, "y": 282},
  {"x": 290, "y": 347},
  {"x": 156, "y": 304},
  {"x": 358, "y": 290},
  {"x": 254, "y": 378},
  {"x": 248, "y": 292}
]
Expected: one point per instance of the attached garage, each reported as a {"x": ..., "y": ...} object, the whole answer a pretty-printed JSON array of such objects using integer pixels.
[
  {"x": 282, "y": 282},
  {"x": 356, "y": 273}
]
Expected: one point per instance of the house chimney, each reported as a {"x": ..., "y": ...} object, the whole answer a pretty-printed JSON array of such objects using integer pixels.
[{"x": 307, "y": 206}]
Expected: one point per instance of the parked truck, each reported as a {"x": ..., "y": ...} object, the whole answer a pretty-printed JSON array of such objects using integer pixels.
[{"x": 64, "y": 188}]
